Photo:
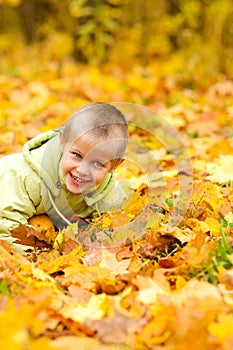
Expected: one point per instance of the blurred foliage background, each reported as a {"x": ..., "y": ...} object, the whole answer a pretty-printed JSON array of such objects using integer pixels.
[{"x": 189, "y": 39}]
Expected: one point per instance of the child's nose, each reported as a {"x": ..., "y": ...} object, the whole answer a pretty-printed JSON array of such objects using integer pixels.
[{"x": 83, "y": 168}]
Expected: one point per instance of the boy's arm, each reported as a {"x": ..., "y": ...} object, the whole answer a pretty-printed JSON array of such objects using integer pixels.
[{"x": 16, "y": 205}]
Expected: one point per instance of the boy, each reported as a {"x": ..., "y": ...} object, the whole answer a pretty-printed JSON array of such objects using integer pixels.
[{"x": 66, "y": 172}]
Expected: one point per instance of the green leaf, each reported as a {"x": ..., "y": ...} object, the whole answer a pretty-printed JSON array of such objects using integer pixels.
[
  {"x": 4, "y": 288},
  {"x": 169, "y": 202}
]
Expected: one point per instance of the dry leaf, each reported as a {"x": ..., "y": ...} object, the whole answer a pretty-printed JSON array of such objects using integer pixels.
[{"x": 221, "y": 171}]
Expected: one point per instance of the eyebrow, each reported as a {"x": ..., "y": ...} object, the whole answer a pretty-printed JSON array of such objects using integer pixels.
[{"x": 74, "y": 148}]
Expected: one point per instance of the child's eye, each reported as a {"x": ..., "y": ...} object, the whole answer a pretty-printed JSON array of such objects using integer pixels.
[
  {"x": 77, "y": 155},
  {"x": 98, "y": 164}
]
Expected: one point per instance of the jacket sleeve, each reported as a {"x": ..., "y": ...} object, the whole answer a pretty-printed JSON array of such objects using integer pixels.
[{"x": 16, "y": 202}]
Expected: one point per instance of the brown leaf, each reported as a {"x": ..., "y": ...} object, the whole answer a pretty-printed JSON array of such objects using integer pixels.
[
  {"x": 116, "y": 329},
  {"x": 30, "y": 237},
  {"x": 92, "y": 257},
  {"x": 124, "y": 253},
  {"x": 79, "y": 293}
]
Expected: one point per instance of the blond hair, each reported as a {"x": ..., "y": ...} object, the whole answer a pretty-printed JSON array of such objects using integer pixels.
[{"x": 100, "y": 120}]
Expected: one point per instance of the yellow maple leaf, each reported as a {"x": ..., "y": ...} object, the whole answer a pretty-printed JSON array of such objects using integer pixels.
[
  {"x": 95, "y": 309},
  {"x": 222, "y": 328},
  {"x": 221, "y": 171},
  {"x": 106, "y": 222},
  {"x": 207, "y": 194},
  {"x": 44, "y": 226},
  {"x": 18, "y": 324},
  {"x": 110, "y": 262},
  {"x": 209, "y": 225},
  {"x": 149, "y": 294},
  {"x": 138, "y": 200},
  {"x": 213, "y": 226}
]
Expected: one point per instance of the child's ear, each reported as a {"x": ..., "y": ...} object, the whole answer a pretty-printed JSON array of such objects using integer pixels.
[
  {"x": 61, "y": 141},
  {"x": 116, "y": 163}
]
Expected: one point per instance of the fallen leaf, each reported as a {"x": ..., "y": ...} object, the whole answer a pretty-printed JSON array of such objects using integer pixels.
[
  {"x": 74, "y": 343},
  {"x": 110, "y": 262},
  {"x": 120, "y": 332},
  {"x": 221, "y": 171},
  {"x": 95, "y": 309}
]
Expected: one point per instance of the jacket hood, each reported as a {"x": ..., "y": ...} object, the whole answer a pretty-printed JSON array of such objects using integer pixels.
[{"x": 43, "y": 154}]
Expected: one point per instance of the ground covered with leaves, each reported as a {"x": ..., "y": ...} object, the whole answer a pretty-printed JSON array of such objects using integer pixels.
[{"x": 162, "y": 290}]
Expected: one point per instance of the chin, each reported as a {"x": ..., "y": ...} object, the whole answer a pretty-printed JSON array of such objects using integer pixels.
[
  {"x": 78, "y": 189},
  {"x": 74, "y": 190}
]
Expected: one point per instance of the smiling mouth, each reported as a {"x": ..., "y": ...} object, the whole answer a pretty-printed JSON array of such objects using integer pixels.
[{"x": 78, "y": 180}]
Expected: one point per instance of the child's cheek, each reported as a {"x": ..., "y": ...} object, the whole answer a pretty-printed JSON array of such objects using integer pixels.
[{"x": 101, "y": 175}]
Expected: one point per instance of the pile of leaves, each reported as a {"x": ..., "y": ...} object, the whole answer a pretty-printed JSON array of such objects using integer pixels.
[{"x": 158, "y": 290}]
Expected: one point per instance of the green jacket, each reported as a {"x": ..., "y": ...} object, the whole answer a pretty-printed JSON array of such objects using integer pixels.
[{"x": 31, "y": 183}]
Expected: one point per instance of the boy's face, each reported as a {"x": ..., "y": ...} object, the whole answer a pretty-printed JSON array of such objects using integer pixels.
[{"x": 85, "y": 163}]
